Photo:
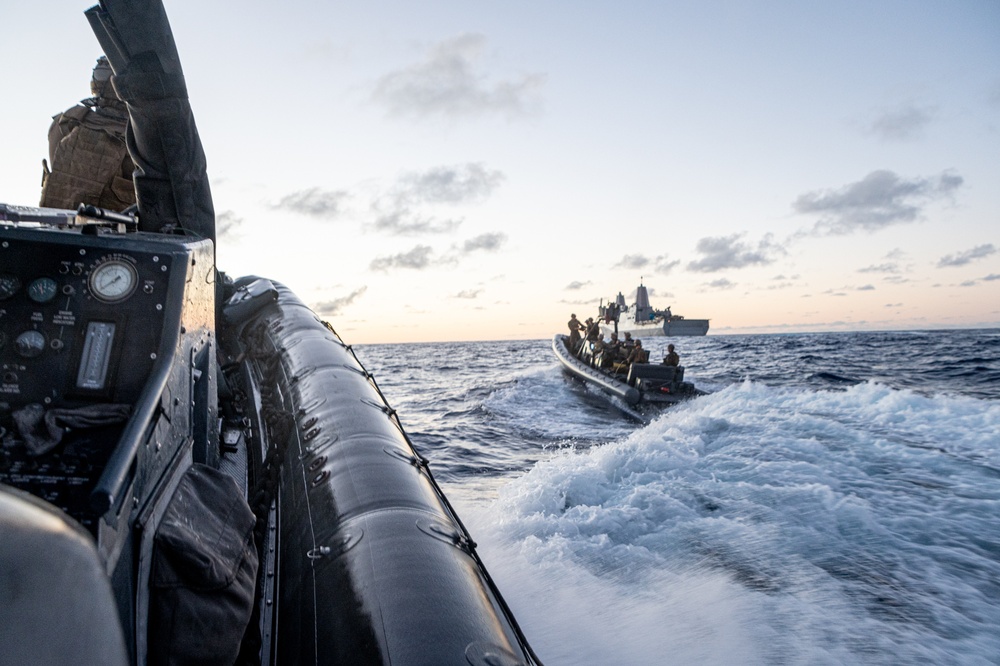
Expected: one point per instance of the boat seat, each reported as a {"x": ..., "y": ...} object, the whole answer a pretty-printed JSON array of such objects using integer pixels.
[
  {"x": 661, "y": 373},
  {"x": 58, "y": 606}
]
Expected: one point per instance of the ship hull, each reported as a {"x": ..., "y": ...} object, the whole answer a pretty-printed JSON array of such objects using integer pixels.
[{"x": 660, "y": 328}]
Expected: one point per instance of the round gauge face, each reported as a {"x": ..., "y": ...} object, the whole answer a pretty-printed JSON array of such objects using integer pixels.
[
  {"x": 113, "y": 281},
  {"x": 42, "y": 290},
  {"x": 9, "y": 284},
  {"x": 30, "y": 344}
]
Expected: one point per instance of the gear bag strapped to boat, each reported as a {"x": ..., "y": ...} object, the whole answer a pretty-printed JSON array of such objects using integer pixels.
[{"x": 204, "y": 571}]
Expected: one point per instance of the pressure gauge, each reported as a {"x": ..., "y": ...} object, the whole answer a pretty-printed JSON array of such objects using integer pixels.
[
  {"x": 9, "y": 284},
  {"x": 113, "y": 281},
  {"x": 30, "y": 344},
  {"x": 42, "y": 290}
]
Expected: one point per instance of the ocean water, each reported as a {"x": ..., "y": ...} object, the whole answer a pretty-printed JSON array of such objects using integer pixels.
[{"x": 834, "y": 500}]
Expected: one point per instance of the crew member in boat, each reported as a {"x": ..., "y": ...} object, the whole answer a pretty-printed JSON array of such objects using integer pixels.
[
  {"x": 638, "y": 354},
  {"x": 612, "y": 351},
  {"x": 87, "y": 153},
  {"x": 605, "y": 352},
  {"x": 575, "y": 326},
  {"x": 593, "y": 330},
  {"x": 597, "y": 350},
  {"x": 629, "y": 343},
  {"x": 672, "y": 358},
  {"x": 614, "y": 343}
]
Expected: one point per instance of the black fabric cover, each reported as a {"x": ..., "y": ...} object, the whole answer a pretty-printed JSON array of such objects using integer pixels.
[
  {"x": 42, "y": 429},
  {"x": 203, "y": 575},
  {"x": 171, "y": 178}
]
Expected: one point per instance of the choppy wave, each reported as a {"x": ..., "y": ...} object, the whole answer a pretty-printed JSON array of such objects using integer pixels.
[
  {"x": 779, "y": 525},
  {"x": 834, "y": 501}
]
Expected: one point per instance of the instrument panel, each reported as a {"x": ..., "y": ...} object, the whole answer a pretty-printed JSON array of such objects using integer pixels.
[
  {"x": 86, "y": 320},
  {"x": 73, "y": 306}
]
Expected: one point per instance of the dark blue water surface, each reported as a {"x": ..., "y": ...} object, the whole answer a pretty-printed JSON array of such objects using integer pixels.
[{"x": 836, "y": 499}]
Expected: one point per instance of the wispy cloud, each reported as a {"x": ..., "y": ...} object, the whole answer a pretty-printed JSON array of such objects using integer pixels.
[
  {"x": 315, "y": 202},
  {"x": 417, "y": 258},
  {"x": 450, "y": 81},
  {"x": 664, "y": 266},
  {"x": 967, "y": 257},
  {"x": 456, "y": 184},
  {"x": 576, "y": 285},
  {"x": 721, "y": 283},
  {"x": 488, "y": 242},
  {"x": 469, "y": 294},
  {"x": 903, "y": 123},
  {"x": 337, "y": 305},
  {"x": 423, "y": 256},
  {"x": 397, "y": 211},
  {"x": 661, "y": 264},
  {"x": 880, "y": 268},
  {"x": 633, "y": 262},
  {"x": 404, "y": 222},
  {"x": 782, "y": 281},
  {"x": 878, "y": 200},
  {"x": 727, "y": 252},
  {"x": 227, "y": 224}
]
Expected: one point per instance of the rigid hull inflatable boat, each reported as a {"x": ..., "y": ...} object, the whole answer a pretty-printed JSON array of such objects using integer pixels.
[
  {"x": 196, "y": 469},
  {"x": 638, "y": 384}
]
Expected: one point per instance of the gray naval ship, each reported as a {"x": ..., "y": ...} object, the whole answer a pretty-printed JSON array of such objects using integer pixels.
[{"x": 643, "y": 320}]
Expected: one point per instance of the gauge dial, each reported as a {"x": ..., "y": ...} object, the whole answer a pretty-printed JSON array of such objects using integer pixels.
[
  {"x": 42, "y": 290},
  {"x": 30, "y": 344},
  {"x": 9, "y": 284},
  {"x": 113, "y": 281}
]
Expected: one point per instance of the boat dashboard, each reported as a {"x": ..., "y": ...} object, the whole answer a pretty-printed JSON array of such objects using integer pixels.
[{"x": 89, "y": 313}]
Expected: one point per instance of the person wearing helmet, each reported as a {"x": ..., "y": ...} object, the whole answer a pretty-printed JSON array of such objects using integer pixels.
[
  {"x": 574, "y": 333},
  {"x": 89, "y": 159},
  {"x": 672, "y": 357}
]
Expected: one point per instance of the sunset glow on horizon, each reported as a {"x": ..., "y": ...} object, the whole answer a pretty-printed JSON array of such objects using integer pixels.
[{"x": 454, "y": 171}]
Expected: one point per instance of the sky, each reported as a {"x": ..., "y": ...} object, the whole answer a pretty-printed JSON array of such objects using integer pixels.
[{"x": 445, "y": 171}]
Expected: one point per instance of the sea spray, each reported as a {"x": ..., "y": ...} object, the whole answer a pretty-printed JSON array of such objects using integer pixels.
[{"x": 824, "y": 534}]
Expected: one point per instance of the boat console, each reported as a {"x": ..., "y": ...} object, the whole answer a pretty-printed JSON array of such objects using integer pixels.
[{"x": 107, "y": 361}]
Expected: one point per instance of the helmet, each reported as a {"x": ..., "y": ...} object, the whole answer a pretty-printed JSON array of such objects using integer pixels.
[{"x": 100, "y": 82}]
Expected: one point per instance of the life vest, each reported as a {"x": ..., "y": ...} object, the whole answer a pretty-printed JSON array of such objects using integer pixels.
[{"x": 90, "y": 162}]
